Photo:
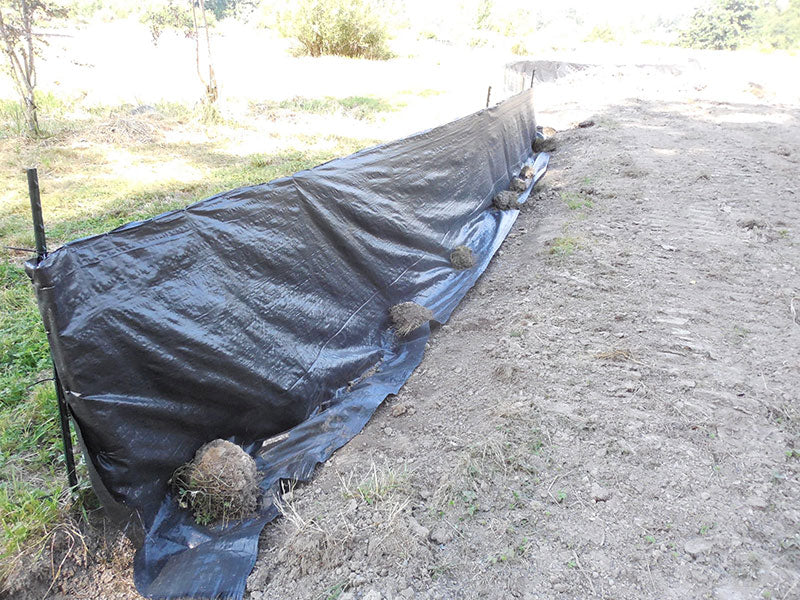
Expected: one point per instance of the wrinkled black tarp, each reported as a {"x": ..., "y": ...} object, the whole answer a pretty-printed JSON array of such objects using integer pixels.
[{"x": 246, "y": 315}]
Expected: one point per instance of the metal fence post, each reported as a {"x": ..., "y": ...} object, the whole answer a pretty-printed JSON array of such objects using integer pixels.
[{"x": 41, "y": 253}]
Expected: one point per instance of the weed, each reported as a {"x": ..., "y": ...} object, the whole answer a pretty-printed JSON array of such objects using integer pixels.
[
  {"x": 335, "y": 591},
  {"x": 650, "y": 539},
  {"x": 563, "y": 246},
  {"x": 379, "y": 485},
  {"x": 576, "y": 200},
  {"x": 706, "y": 528},
  {"x": 561, "y": 496}
]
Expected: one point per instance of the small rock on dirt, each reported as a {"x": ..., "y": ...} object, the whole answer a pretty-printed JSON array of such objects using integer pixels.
[
  {"x": 398, "y": 410},
  {"x": 373, "y": 595},
  {"x": 585, "y": 124},
  {"x": 751, "y": 223},
  {"x": 505, "y": 201},
  {"x": 600, "y": 494},
  {"x": 441, "y": 534},
  {"x": 697, "y": 546},
  {"x": 526, "y": 172},
  {"x": 417, "y": 529}
]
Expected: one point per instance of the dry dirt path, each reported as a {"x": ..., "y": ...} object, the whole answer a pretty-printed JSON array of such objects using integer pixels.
[{"x": 613, "y": 410}]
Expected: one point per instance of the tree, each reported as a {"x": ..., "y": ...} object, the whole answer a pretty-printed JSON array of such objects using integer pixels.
[
  {"x": 210, "y": 83},
  {"x": 190, "y": 17},
  {"x": 21, "y": 44},
  {"x": 724, "y": 26},
  {"x": 780, "y": 28}
]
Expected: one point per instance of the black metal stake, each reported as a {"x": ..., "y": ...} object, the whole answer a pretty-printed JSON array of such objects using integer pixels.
[
  {"x": 41, "y": 253},
  {"x": 488, "y": 96},
  {"x": 533, "y": 74}
]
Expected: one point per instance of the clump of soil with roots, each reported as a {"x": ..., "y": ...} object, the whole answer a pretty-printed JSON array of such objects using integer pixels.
[
  {"x": 219, "y": 485},
  {"x": 409, "y": 316}
]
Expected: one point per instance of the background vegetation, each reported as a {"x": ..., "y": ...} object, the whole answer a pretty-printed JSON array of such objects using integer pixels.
[{"x": 732, "y": 24}]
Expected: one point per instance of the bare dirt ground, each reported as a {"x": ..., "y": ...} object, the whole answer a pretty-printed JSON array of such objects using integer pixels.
[{"x": 613, "y": 410}]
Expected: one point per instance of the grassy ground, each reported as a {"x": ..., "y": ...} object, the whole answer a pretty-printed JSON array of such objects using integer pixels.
[{"x": 100, "y": 167}]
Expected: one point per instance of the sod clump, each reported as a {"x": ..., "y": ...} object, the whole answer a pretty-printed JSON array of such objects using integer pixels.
[
  {"x": 518, "y": 185},
  {"x": 506, "y": 201},
  {"x": 409, "y": 316},
  {"x": 462, "y": 258},
  {"x": 219, "y": 485}
]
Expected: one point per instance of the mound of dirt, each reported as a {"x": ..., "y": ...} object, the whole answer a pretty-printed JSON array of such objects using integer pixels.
[
  {"x": 518, "y": 185},
  {"x": 408, "y": 316},
  {"x": 219, "y": 484},
  {"x": 461, "y": 258},
  {"x": 505, "y": 201}
]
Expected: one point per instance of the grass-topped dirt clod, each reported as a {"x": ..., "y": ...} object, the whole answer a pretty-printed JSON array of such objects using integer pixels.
[
  {"x": 409, "y": 316},
  {"x": 462, "y": 258},
  {"x": 219, "y": 485}
]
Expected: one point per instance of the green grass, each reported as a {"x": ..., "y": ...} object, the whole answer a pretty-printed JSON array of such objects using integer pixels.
[
  {"x": 358, "y": 107},
  {"x": 563, "y": 246},
  {"x": 92, "y": 182},
  {"x": 576, "y": 200}
]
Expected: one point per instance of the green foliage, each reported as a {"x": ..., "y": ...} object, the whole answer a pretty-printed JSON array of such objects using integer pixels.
[
  {"x": 726, "y": 25},
  {"x": 731, "y": 24},
  {"x": 519, "y": 49},
  {"x": 353, "y": 28},
  {"x": 780, "y": 29},
  {"x": 601, "y": 34}
]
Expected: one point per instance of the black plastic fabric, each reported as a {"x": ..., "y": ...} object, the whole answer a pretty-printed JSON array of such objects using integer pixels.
[{"x": 250, "y": 314}]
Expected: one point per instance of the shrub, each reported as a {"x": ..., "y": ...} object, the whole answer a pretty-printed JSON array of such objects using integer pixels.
[{"x": 353, "y": 28}]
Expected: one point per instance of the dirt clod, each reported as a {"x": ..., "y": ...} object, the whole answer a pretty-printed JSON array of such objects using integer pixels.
[
  {"x": 506, "y": 201},
  {"x": 441, "y": 534},
  {"x": 219, "y": 484},
  {"x": 751, "y": 223},
  {"x": 526, "y": 172},
  {"x": 548, "y": 144},
  {"x": 461, "y": 258},
  {"x": 518, "y": 185},
  {"x": 408, "y": 316},
  {"x": 697, "y": 546},
  {"x": 585, "y": 124},
  {"x": 600, "y": 494}
]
